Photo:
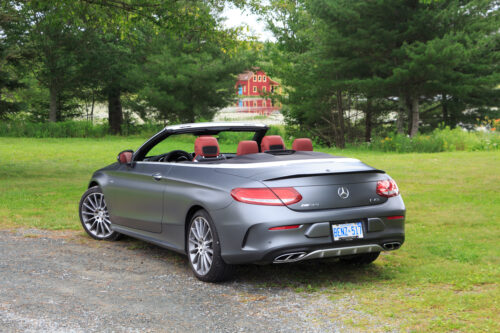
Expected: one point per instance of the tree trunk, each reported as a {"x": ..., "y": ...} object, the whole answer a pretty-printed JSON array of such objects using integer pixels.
[
  {"x": 454, "y": 110},
  {"x": 115, "y": 112},
  {"x": 341, "y": 132},
  {"x": 92, "y": 108},
  {"x": 401, "y": 113},
  {"x": 444, "y": 106},
  {"x": 415, "y": 117},
  {"x": 368, "y": 120},
  {"x": 53, "y": 104}
]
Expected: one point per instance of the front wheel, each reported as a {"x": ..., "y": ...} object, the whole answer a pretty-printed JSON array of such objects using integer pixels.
[
  {"x": 95, "y": 217},
  {"x": 204, "y": 250}
]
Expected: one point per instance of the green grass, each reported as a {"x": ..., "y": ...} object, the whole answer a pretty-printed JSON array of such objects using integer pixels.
[{"x": 444, "y": 278}]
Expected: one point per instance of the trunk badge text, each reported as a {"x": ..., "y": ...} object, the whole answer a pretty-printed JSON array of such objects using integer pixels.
[
  {"x": 343, "y": 192},
  {"x": 314, "y": 204}
]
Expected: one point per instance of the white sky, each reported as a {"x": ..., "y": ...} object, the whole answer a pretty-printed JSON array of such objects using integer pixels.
[{"x": 236, "y": 17}]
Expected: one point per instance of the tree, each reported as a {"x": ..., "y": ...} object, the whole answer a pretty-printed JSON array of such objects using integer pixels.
[
  {"x": 190, "y": 74},
  {"x": 408, "y": 50},
  {"x": 50, "y": 41},
  {"x": 90, "y": 47},
  {"x": 9, "y": 59}
]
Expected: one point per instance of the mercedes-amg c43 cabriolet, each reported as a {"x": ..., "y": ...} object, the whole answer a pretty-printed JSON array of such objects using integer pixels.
[{"x": 264, "y": 203}]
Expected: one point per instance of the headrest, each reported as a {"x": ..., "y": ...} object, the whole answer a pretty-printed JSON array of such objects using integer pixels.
[
  {"x": 303, "y": 144},
  {"x": 272, "y": 142},
  {"x": 247, "y": 147},
  {"x": 206, "y": 146}
]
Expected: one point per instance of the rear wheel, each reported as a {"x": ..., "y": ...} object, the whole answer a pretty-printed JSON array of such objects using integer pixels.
[
  {"x": 95, "y": 217},
  {"x": 361, "y": 259},
  {"x": 203, "y": 248}
]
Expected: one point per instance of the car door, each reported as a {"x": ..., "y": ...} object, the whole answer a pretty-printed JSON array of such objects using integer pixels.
[{"x": 135, "y": 195}]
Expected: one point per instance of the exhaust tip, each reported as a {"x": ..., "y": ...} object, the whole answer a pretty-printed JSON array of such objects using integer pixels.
[
  {"x": 289, "y": 257},
  {"x": 392, "y": 246}
]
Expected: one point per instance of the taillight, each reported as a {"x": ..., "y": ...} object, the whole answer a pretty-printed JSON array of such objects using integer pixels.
[
  {"x": 276, "y": 196},
  {"x": 387, "y": 188}
]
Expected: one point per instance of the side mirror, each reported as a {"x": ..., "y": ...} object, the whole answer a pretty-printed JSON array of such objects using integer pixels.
[{"x": 125, "y": 157}]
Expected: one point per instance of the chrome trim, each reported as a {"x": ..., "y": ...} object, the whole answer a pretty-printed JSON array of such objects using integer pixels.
[
  {"x": 337, "y": 252},
  {"x": 213, "y": 124},
  {"x": 289, "y": 257},
  {"x": 334, "y": 160}
]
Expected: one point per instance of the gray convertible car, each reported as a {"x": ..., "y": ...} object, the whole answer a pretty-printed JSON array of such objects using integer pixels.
[{"x": 262, "y": 204}]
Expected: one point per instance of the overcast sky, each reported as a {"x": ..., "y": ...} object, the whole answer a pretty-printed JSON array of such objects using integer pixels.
[{"x": 237, "y": 17}]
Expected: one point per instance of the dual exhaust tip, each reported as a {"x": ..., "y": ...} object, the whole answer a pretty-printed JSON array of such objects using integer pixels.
[
  {"x": 289, "y": 257},
  {"x": 392, "y": 246}
]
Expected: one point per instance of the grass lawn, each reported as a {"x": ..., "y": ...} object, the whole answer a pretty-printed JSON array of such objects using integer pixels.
[{"x": 444, "y": 278}]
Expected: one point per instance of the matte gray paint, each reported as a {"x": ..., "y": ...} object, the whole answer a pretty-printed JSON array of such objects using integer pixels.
[
  {"x": 156, "y": 211},
  {"x": 375, "y": 224},
  {"x": 321, "y": 229}
]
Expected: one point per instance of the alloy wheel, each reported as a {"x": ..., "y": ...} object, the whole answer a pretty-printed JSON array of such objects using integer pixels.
[
  {"x": 95, "y": 215},
  {"x": 200, "y": 246}
]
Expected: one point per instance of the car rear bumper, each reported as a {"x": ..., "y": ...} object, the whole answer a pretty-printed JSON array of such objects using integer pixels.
[{"x": 245, "y": 236}]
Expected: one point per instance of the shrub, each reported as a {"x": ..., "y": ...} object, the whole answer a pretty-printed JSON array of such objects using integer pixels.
[
  {"x": 85, "y": 129},
  {"x": 64, "y": 129},
  {"x": 439, "y": 140},
  {"x": 71, "y": 129}
]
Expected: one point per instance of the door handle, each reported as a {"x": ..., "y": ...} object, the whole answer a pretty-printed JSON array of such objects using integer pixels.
[{"x": 157, "y": 176}]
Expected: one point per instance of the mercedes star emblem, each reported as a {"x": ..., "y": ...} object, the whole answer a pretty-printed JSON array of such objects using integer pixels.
[{"x": 343, "y": 192}]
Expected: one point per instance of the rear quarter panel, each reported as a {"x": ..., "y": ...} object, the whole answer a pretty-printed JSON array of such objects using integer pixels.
[{"x": 192, "y": 186}]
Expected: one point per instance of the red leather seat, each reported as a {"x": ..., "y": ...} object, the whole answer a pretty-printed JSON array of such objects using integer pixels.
[
  {"x": 206, "y": 146},
  {"x": 247, "y": 147},
  {"x": 302, "y": 144},
  {"x": 272, "y": 142}
]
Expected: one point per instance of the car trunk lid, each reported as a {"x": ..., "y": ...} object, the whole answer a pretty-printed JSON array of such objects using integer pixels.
[
  {"x": 325, "y": 182},
  {"x": 330, "y": 191}
]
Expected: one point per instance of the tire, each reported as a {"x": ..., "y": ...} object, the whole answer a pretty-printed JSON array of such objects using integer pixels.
[
  {"x": 203, "y": 249},
  {"x": 94, "y": 215},
  {"x": 361, "y": 259}
]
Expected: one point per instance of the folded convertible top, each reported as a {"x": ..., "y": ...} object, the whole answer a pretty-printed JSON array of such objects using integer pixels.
[{"x": 300, "y": 164}]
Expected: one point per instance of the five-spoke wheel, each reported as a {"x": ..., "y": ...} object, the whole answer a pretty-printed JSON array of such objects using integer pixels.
[{"x": 94, "y": 215}]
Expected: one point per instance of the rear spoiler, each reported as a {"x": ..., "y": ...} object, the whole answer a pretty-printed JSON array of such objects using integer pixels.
[{"x": 324, "y": 174}]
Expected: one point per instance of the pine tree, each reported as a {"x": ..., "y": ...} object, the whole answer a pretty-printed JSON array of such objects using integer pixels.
[{"x": 410, "y": 51}]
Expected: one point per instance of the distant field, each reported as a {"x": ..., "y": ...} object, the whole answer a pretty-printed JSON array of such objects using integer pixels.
[{"x": 444, "y": 278}]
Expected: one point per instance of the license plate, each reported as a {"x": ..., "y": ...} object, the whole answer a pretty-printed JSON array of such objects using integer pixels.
[{"x": 347, "y": 231}]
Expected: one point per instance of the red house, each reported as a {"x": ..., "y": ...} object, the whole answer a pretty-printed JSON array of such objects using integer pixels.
[{"x": 253, "y": 88}]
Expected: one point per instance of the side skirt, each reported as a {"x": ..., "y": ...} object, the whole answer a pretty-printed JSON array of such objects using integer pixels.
[{"x": 147, "y": 238}]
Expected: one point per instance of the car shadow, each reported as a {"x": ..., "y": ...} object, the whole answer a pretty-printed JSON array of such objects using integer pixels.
[
  {"x": 307, "y": 275},
  {"x": 311, "y": 274}
]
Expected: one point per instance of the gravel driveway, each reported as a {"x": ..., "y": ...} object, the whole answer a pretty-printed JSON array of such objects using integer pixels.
[{"x": 64, "y": 281}]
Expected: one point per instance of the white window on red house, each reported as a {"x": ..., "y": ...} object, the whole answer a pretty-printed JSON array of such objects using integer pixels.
[
  {"x": 263, "y": 89},
  {"x": 264, "y": 78},
  {"x": 255, "y": 78},
  {"x": 260, "y": 78},
  {"x": 254, "y": 89}
]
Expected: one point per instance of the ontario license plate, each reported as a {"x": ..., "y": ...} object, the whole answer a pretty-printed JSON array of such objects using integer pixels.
[{"x": 347, "y": 231}]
